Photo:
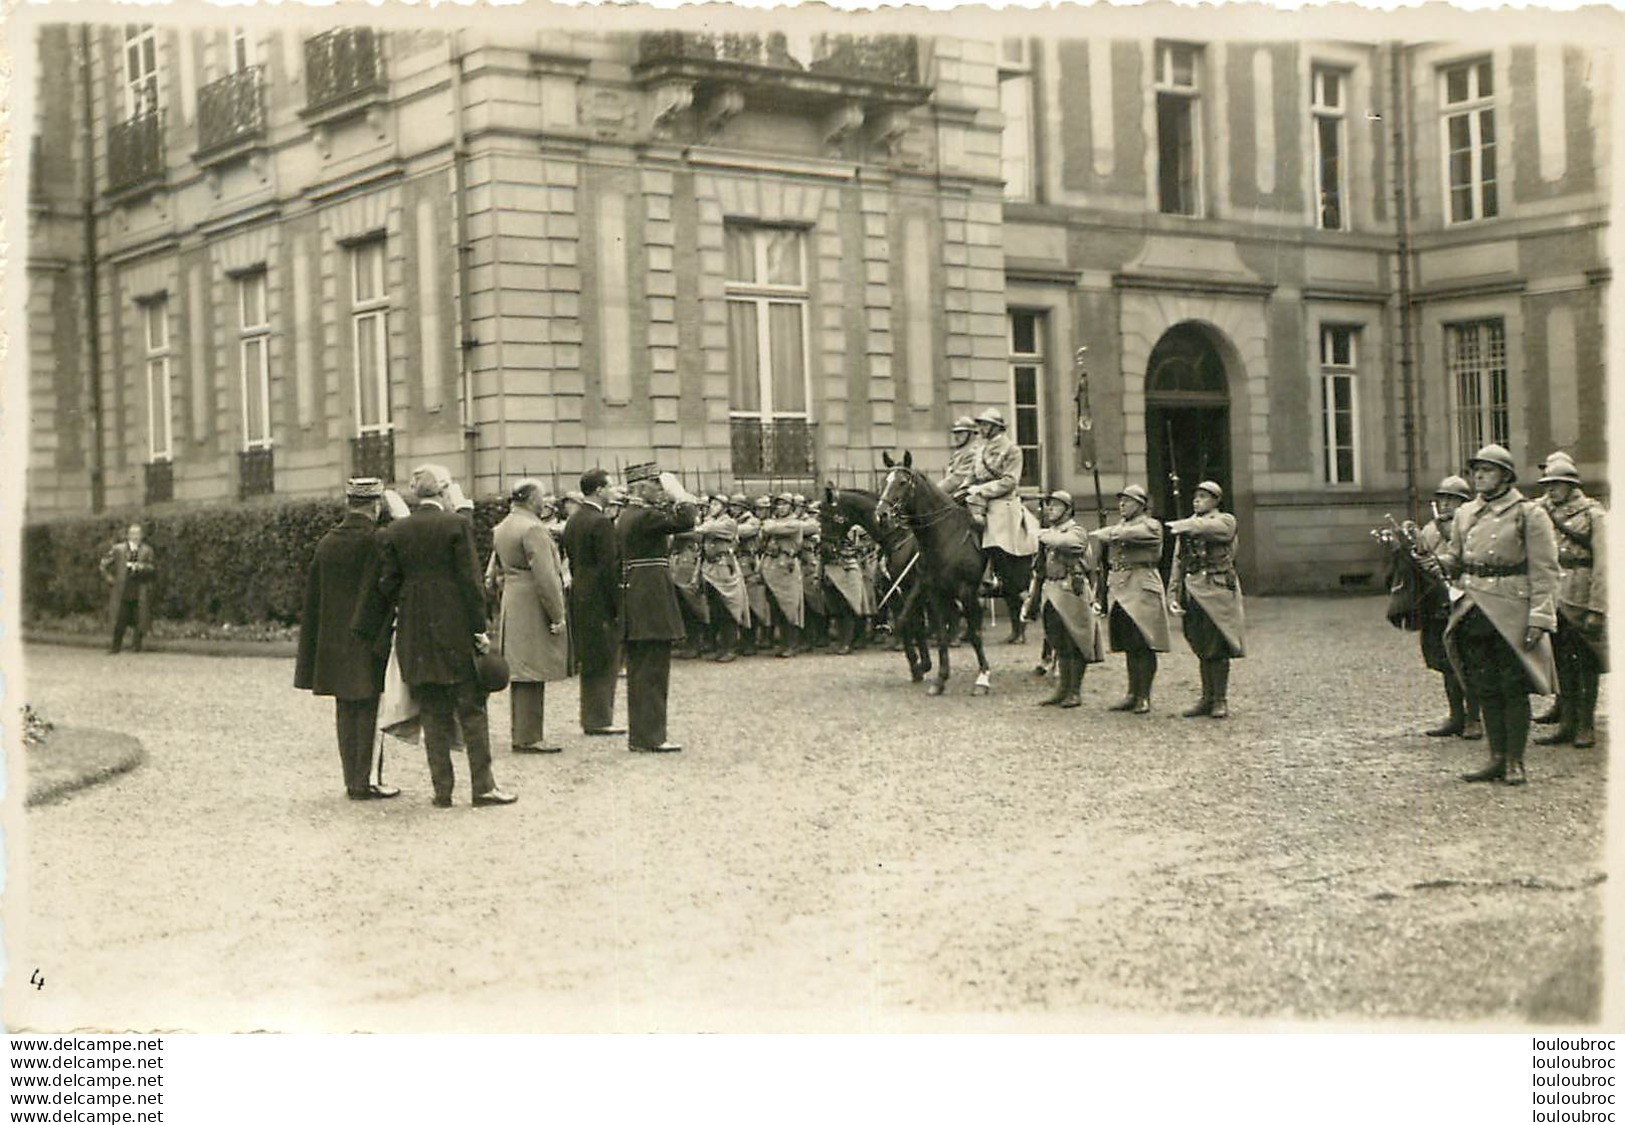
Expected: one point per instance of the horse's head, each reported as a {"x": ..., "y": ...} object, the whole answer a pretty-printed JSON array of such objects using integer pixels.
[{"x": 897, "y": 494}]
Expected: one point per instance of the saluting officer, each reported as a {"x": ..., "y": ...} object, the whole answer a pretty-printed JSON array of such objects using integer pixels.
[
  {"x": 657, "y": 509},
  {"x": 1137, "y": 612},
  {"x": 1436, "y": 602},
  {"x": 726, "y": 603},
  {"x": 1064, "y": 595},
  {"x": 1504, "y": 551},
  {"x": 1205, "y": 587},
  {"x": 1581, "y": 644},
  {"x": 780, "y": 537}
]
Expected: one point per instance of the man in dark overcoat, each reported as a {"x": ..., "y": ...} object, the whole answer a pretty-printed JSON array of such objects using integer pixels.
[
  {"x": 595, "y": 603},
  {"x": 429, "y": 577},
  {"x": 130, "y": 566},
  {"x": 653, "y": 620},
  {"x": 333, "y": 660}
]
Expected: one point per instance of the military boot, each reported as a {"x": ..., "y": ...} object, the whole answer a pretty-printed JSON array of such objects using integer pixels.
[
  {"x": 1513, "y": 773},
  {"x": 1221, "y": 689},
  {"x": 1585, "y": 719},
  {"x": 1473, "y": 729},
  {"x": 1552, "y": 714},
  {"x": 1206, "y": 705},
  {"x": 1133, "y": 695},
  {"x": 1567, "y": 705},
  {"x": 1496, "y": 768},
  {"x": 1457, "y": 722},
  {"x": 1074, "y": 695},
  {"x": 1063, "y": 682},
  {"x": 1148, "y": 672}
]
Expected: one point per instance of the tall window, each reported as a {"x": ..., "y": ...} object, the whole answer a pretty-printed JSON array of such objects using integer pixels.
[
  {"x": 1476, "y": 356},
  {"x": 1179, "y": 132},
  {"x": 140, "y": 69},
  {"x": 240, "y": 53},
  {"x": 253, "y": 350},
  {"x": 155, "y": 327},
  {"x": 767, "y": 322},
  {"x": 1339, "y": 417},
  {"x": 369, "y": 322},
  {"x": 1467, "y": 91},
  {"x": 1016, "y": 105},
  {"x": 1027, "y": 389},
  {"x": 1331, "y": 138}
]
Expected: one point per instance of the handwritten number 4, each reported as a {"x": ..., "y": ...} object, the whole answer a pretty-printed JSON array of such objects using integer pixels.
[{"x": 37, "y": 980}]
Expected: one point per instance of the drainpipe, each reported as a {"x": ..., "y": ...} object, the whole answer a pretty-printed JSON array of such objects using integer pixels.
[
  {"x": 98, "y": 459},
  {"x": 459, "y": 203},
  {"x": 1399, "y": 110}
]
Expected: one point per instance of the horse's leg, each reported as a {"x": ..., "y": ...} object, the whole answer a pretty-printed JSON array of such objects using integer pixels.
[
  {"x": 1015, "y": 576},
  {"x": 919, "y": 662},
  {"x": 941, "y": 607},
  {"x": 972, "y": 604}
]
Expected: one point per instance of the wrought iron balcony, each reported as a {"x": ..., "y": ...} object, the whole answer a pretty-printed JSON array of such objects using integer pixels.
[
  {"x": 231, "y": 111},
  {"x": 881, "y": 58},
  {"x": 160, "y": 482},
  {"x": 784, "y": 447},
  {"x": 135, "y": 151},
  {"x": 341, "y": 64},
  {"x": 891, "y": 59},
  {"x": 373, "y": 455},
  {"x": 256, "y": 473}
]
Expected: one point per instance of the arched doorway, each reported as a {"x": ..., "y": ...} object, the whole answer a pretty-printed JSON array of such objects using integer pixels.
[{"x": 1187, "y": 416}]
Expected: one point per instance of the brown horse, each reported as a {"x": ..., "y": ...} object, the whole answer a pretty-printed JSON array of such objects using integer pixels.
[{"x": 847, "y": 507}]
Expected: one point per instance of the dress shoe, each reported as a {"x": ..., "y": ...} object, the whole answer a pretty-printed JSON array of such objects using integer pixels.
[
  {"x": 1495, "y": 771},
  {"x": 493, "y": 797},
  {"x": 1142, "y": 706},
  {"x": 374, "y": 793},
  {"x": 1514, "y": 774},
  {"x": 1447, "y": 729},
  {"x": 726, "y": 657},
  {"x": 1473, "y": 731},
  {"x": 538, "y": 748},
  {"x": 603, "y": 730},
  {"x": 1072, "y": 700},
  {"x": 663, "y": 748},
  {"x": 442, "y": 802},
  {"x": 1203, "y": 708},
  {"x": 1125, "y": 704},
  {"x": 1219, "y": 710}
]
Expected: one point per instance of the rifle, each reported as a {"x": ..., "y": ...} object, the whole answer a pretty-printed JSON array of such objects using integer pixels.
[{"x": 1176, "y": 604}]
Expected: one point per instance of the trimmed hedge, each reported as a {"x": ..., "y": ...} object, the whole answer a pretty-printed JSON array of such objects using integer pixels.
[{"x": 236, "y": 565}]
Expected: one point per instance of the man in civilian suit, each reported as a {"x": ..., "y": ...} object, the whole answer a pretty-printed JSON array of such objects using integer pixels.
[
  {"x": 595, "y": 603},
  {"x": 333, "y": 660},
  {"x": 657, "y": 510},
  {"x": 429, "y": 576}
]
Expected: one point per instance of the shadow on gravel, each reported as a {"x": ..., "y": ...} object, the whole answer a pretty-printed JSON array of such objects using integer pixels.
[
  {"x": 74, "y": 758},
  {"x": 1573, "y": 994}
]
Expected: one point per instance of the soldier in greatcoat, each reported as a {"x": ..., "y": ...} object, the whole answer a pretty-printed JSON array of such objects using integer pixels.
[
  {"x": 333, "y": 660},
  {"x": 1205, "y": 587},
  {"x": 963, "y": 445},
  {"x": 724, "y": 578},
  {"x": 1137, "y": 611},
  {"x": 656, "y": 510},
  {"x": 814, "y": 606},
  {"x": 526, "y": 573},
  {"x": 1063, "y": 595},
  {"x": 1503, "y": 554},
  {"x": 994, "y": 502},
  {"x": 780, "y": 536},
  {"x": 129, "y": 568},
  {"x": 759, "y": 635},
  {"x": 1581, "y": 644},
  {"x": 842, "y": 562},
  {"x": 691, "y": 600},
  {"x": 595, "y": 603},
  {"x": 1435, "y": 605}
]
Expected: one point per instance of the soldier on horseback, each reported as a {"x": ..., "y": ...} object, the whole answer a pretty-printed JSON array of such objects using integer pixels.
[
  {"x": 995, "y": 506},
  {"x": 965, "y": 445}
]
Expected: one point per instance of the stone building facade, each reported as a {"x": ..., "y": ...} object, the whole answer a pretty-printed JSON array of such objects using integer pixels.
[{"x": 765, "y": 258}]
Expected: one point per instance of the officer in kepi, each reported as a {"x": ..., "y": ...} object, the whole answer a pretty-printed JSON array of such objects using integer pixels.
[
  {"x": 657, "y": 509},
  {"x": 1503, "y": 554},
  {"x": 1581, "y": 643}
]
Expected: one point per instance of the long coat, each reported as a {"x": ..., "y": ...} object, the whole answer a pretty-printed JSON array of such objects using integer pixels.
[
  {"x": 685, "y": 574},
  {"x": 1132, "y": 578},
  {"x": 644, "y": 533},
  {"x": 1514, "y": 533},
  {"x": 996, "y": 472},
  {"x": 334, "y": 660},
  {"x": 750, "y": 563},
  {"x": 1582, "y": 561},
  {"x": 525, "y": 562},
  {"x": 116, "y": 568},
  {"x": 595, "y": 588},
  {"x": 1066, "y": 585},
  {"x": 429, "y": 577},
  {"x": 781, "y": 567},
  {"x": 1204, "y": 574},
  {"x": 720, "y": 566},
  {"x": 1436, "y": 598}
]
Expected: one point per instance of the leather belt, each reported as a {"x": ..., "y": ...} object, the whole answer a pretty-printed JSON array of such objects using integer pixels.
[
  {"x": 1495, "y": 570},
  {"x": 1129, "y": 565},
  {"x": 630, "y": 563}
]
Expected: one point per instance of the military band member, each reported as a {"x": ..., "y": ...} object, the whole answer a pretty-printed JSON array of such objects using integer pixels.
[
  {"x": 780, "y": 536},
  {"x": 656, "y": 510},
  {"x": 1063, "y": 594},
  {"x": 1581, "y": 643},
  {"x": 961, "y": 457},
  {"x": 595, "y": 603},
  {"x": 1451, "y": 494},
  {"x": 1503, "y": 553},
  {"x": 1137, "y": 612},
  {"x": 724, "y": 578},
  {"x": 1206, "y": 588}
]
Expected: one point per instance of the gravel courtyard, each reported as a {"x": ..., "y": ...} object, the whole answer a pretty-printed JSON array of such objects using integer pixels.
[{"x": 832, "y": 850}]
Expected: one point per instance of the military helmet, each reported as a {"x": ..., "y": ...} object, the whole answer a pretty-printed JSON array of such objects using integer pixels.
[
  {"x": 1559, "y": 469},
  {"x": 1454, "y": 486},
  {"x": 738, "y": 500},
  {"x": 1498, "y": 456},
  {"x": 798, "y": 498},
  {"x": 964, "y": 424},
  {"x": 762, "y": 502},
  {"x": 1061, "y": 495},
  {"x": 784, "y": 498},
  {"x": 1137, "y": 494},
  {"x": 992, "y": 415},
  {"x": 1212, "y": 489}
]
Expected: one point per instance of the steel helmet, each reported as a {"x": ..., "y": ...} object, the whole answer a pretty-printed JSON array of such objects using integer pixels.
[
  {"x": 1212, "y": 489},
  {"x": 1559, "y": 469},
  {"x": 992, "y": 415},
  {"x": 964, "y": 424},
  {"x": 1498, "y": 456},
  {"x": 784, "y": 498},
  {"x": 1061, "y": 495},
  {"x": 762, "y": 502},
  {"x": 738, "y": 500},
  {"x": 1137, "y": 494},
  {"x": 1454, "y": 486}
]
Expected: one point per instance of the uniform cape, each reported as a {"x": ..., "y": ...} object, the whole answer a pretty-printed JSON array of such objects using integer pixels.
[
  {"x": 685, "y": 576},
  {"x": 1223, "y": 606},
  {"x": 1077, "y": 613},
  {"x": 1509, "y": 613},
  {"x": 847, "y": 580},
  {"x": 728, "y": 580},
  {"x": 1010, "y": 527}
]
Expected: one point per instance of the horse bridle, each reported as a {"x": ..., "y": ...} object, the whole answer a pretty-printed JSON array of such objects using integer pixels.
[{"x": 895, "y": 511}]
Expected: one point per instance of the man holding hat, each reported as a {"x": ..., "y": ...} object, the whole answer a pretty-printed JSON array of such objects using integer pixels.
[
  {"x": 1435, "y": 605},
  {"x": 961, "y": 456},
  {"x": 526, "y": 574},
  {"x": 1581, "y": 643},
  {"x": 595, "y": 603},
  {"x": 429, "y": 577},
  {"x": 1503, "y": 554},
  {"x": 1137, "y": 611},
  {"x": 657, "y": 509},
  {"x": 1205, "y": 585},
  {"x": 332, "y": 659},
  {"x": 1064, "y": 596}
]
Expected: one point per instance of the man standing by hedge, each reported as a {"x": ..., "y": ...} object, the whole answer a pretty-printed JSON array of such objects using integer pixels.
[
  {"x": 130, "y": 567},
  {"x": 333, "y": 660}
]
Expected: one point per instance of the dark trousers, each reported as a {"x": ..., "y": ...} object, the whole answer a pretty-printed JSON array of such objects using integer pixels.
[
  {"x": 128, "y": 617},
  {"x": 724, "y": 629},
  {"x": 444, "y": 706},
  {"x": 357, "y": 722},
  {"x": 1140, "y": 657},
  {"x": 598, "y": 695},
  {"x": 1579, "y": 673},
  {"x": 527, "y": 701},
  {"x": 648, "y": 677},
  {"x": 1496, "y": 677}
]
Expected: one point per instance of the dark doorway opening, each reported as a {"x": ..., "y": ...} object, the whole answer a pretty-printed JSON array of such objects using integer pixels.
[{"x": 1187, "y": 421}]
